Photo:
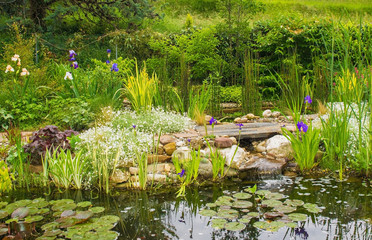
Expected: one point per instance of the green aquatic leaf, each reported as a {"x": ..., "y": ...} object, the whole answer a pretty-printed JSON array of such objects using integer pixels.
[
  {"x": 242, "y": 204},
  {"x": 234, "y": 226},
  {"x": 297, "y": 217},
  {"x": 253, "y": 214},
  {"x": 294, "y": 202},
  {"x": 218, "y": 223},
  {"x": 52, "y": 233},
  {"x": 20, "y": 213},
  {"x": 262, "y": 192},
  {"x": 284, "y": 209},
  {"x": 3, "y": 231},
  {"x": 84, "y": 204},
  {"x": 261, "y": 225},
  {"x": 84, "y": 215},
  {"x": 225, "y": 198},
  {"x": 46, "y": 238},
  {"x": 242, "y": 195},
  {"x": 3, "y": 204},
  {"x": 228, "y": 213},
  {"x": 313, "y": 208},
  {"x": 35, "y": 218},
  {"x": 61, "y": 201},
  {"x": 110, "y": 219},
  {"x": 11, "y": 220},
  {"x": 244, "y": 220},
  {"x": 291, "y": 224},
  {"x": 274, "y": 196},
  {"x": 60, "y": 207},
  {"x": 3, "y": 214},
  {"x": 207, "y": 213},
  {"x": 50, "y": 226},
  {"x": 97, "y": 209},
  {"x": 68, "y": 213},
  {"x": 271, "y": 203},
  {"x": 211, "y": 205}
]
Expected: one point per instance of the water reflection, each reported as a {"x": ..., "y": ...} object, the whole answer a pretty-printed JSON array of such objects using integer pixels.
[{"x": 159, "y": 215}]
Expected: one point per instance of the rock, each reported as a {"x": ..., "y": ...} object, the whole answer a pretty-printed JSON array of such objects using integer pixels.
[
  {"x": 134, "y": 179},
  {"x": 165, "y": 139},
  {"x": 261, "y": 147},
  {"x": 170, "y": 148},
  {"x": 250, "y": 116},
  {"x": 222, "y": 142},
  {"x": 197, "y": 143},
  {"x": 263, "y": 165},
  {"x": 156, "y": 178},
  {"x": 279, "y": 146},
  {"x": 133, "y": 170},
  {"x": 237, "y": 120},
  {"x": 276, "y": 114},
  {"x": 205, "y": 169},
  {"x": 234, "y": 141},
  {"x": 160, "y": 168},
  {"x": 119, "y": 176},
  {"x": 267, "y": 113},
  {"x": 207, "y": 118},
  {"x": 231, "y": 172},
  {"x": 240, "y": 120},
  {"x": 159, "y": 149},
  {"x": 234, "y": 156},
  {"x": 182, "y": 153},
  {"x": 180, "y": 143},
  {"x": 188, "y": 135},
  {"x": 151, "y": 158}
]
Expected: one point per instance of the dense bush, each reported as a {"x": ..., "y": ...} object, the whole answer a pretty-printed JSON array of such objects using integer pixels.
[{"x": 231, "y": 94}]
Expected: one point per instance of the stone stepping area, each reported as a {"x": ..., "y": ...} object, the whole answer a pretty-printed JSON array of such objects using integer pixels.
[{"x": 254, "y": 130}]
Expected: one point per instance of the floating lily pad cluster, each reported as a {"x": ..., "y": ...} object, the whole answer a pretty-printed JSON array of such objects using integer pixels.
[
  {"x": 63, "y": 219},
  {"x": 264, "y": 209}
]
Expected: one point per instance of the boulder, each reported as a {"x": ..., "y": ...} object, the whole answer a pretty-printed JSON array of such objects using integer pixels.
[
  {"x": 279, "y": 146},
  {"x": 182, "y": 153},
  {"x": 223, "y": 142},
  {"x": 263, "y": 165},
  {"x": 165, "y": 139},
  {"x": 119, "y": 176},
  {"x": 250, "y": 116},
  {"x": 151, "y": 158},
  {"x": 159, "y": 149},
  {"x": 160, "y": 168},
  {"x": 234, "y": 156},
  {"x": 267, "y": 113},
  {"x": 197, "y": 143},
  {"x": 276, "y": 114},
  {"x": 156, "y": 178},
  {"x": 261, "y": 147},
  {"x": 170, "y": 148},
  {"x": 133, "y": 170},
  {"x": 205, "y": 169},
  {"x": 234, "y": 141}
]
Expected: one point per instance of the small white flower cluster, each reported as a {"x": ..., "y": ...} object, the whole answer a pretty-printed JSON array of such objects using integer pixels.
[{"x": 131, "y": 133}]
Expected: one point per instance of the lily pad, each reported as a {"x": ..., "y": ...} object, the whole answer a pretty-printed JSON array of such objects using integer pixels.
[
  {"x": 68, "y": 213},
  {"x": 270, "y": 215},
  {"x": 242, "y": 204},
  {"x": 253, "y": 214},
  {"x": 61, "y": 201},
  {"x": 84, "y": 215},
  {"x": 23, "y": 203},
  {"x": 234, "y": 226},
  {"x": 211, "y": 205},
  {"x": 3, "y": 204},
  {"x": 275, "y": 196},
  {"x": 3, "y": 214},
  {"x": 218, "y": 223},
  {"x": 11, "y": 220},
  {"x": 242, "y": 195},
  {"x": 43, "y": 211},
  {"x": 262, "y": 192},
  {"x": 45, "y": 238},
  {"x": 225, "y": 198},
  {"x": 97, "y": 209},
  {"x": 84, "y": 204},
  {"x": 297, "y": 217},
  {"x": 50, "y": 226},
  {"x": 223, "y": 203},
  {"x": 245, "y": 220},
  {"x": 313, "y": 208},
  {"x": 52, "y": 233},
  {"x": 20, "y": 212},
  {"x": 110, "y": 235},
  {"x": 261, "y": 225},
  {"x": 3, "y": 231},
  {"x": 225, "y": 207},
  {"x": 285, "y": 209},
  {"x": 228, "y": 213},
  {"x": 291, "y": 224},
  {"x": 109, "y": 219},
  {"x": 272, "y": 203},
  {"x": 35, "y": 218},
  {"x": 275, "y": 226},
  {"x": 63, "y": 207},
  {"x": 294, "y": 202},
  {"x": 207, "y": 213}
]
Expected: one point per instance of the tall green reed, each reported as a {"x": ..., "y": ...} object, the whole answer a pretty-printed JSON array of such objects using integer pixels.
[
  {"x": 251, "y": 101},
  {"x": 199, "y": 99}
]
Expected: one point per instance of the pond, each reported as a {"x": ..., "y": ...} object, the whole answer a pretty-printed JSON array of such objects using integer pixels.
[{"x": 346, "y": 210}]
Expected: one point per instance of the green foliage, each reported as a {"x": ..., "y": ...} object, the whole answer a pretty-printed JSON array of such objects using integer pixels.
[
  {"x": 305, "y": 146},
  {"x": 5, "y": 118},
  {"x": 70, "y": 113},
  {"x": 199, "y": 100},
  {"x": 5, "y": 178},
  {"x": 218, "y": 163},
  {"x": 231, "y": 94}
]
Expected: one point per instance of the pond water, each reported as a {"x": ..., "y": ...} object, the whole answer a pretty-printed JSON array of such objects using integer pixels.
[{"x": 158, "y": 214}]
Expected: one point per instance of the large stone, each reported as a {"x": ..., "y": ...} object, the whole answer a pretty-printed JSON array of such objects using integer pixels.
[
  {"x": 160, "y": 168},
  {"x": 197, "y": 143},
  {"x": 267, "y": 113},
  {"x": 165, "y": 139},
  {"x": 170, "y": 148},
  {"x": 156, "y": 178},
  {"x": 261, "y": 147},
  {"x": 223, "y": 142},
  {"x": 234, "y": 156},
  {"x": 205, "y": 169},
  {"x": 152, "y": 158},
  {"x": 119, "y": 176},
  {"x": 276, "y": 114},
  {"x": 182, "y": 153},
  {"x": 158, "y": 149},
  {"x": 279, "y": 146},
  {"x": 263, "y": 165}
]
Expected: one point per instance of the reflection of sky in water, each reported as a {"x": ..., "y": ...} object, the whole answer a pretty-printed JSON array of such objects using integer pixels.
[{"x": 339, "y": 219}]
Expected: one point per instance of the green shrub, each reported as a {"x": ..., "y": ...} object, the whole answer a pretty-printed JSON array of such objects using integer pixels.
[
  {"x": 73, "y": 113},
  {"x": 231, "y": 94}
]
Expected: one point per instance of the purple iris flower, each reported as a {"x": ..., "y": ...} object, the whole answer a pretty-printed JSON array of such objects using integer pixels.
[
  {"x": 182, "y": 173},
  {"x": 189, "y": 140},
  {"x": 74, "y": 65},
  {"x": 240, "y": 125},
  {"x": 108, "y": 61},
  {"x": 212, "y": 121},
  {"x": 72, "y": 59},
  {"x": 72, "y": 53},
  {"x": 114, "y": 67},
  {"x": 303, "y": 126},
  {"x": 134, "y": 126},
  {"x": 108, "y": 50},
  {"x": 308, "y": 99}
]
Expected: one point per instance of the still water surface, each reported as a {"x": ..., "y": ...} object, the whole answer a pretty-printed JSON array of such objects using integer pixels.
[{"x": 158, "y": 214}]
